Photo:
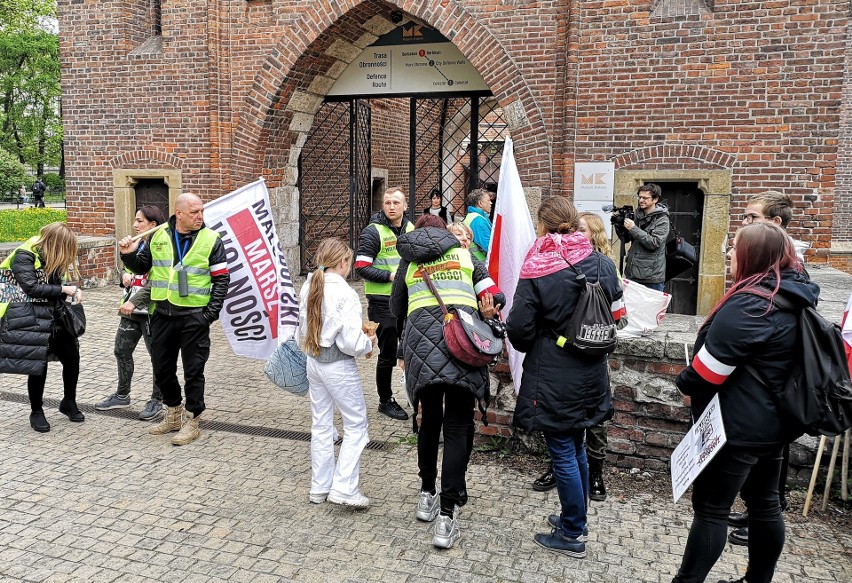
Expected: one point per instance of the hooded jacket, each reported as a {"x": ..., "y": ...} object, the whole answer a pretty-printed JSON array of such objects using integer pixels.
[
  {"x": 28, "y": 322},
  {"x": 747, "y": 330},
  {"x": 561, "y": 390},
  {"x": 646, "y": 258},
  {"x": 427, "y": 359}
]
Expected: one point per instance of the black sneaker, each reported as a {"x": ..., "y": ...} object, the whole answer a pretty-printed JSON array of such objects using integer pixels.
[
  {"x": 560, "y": 544},
  {"x": 545, "y": 482},
  {"x": 393, "y": 410},
  {"x": 739, "y": 537}
]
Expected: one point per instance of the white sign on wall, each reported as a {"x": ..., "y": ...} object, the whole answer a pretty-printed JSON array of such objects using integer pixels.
[{"x": 594, "y": 187}]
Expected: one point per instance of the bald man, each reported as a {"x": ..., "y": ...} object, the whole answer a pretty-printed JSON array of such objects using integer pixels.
[{"x": 189, "y": 280}]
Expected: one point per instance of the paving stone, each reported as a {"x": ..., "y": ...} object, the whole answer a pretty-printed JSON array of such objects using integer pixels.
[{"x": 106, "y": 501}]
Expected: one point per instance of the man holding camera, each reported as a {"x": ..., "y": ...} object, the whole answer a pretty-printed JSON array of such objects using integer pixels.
[{"x": 646, "y": 258}]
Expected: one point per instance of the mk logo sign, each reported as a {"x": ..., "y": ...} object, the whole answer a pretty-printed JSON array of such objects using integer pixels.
[
  {"x": 596, "y": 179},
  {"x": 414, "y": 31}
]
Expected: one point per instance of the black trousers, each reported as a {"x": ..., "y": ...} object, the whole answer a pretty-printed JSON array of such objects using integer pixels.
[
  {"x": 753, "y": 472},
  {"x": 451, "y": 408},
  {"x": 188, "y": 335},
  {"x": 67, "y": 350},
  {"x": 378, "y": 310}
]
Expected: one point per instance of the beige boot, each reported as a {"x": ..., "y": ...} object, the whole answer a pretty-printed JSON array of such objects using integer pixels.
[
  {"x": 189, "y": 431},
  {"x": 171, "y": 422}
]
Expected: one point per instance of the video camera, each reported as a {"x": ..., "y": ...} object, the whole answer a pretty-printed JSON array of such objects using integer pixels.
[{"x": 617, "y": 219}]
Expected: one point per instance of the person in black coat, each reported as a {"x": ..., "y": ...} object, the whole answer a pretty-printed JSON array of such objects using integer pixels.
[
  {"x": 31, "y": 288},
  {"x": 744, "y": 329},
  {"x": 562, "y": 393},
  {"x": 446, "y": 388},
  {"x": 437, "y": 207}
]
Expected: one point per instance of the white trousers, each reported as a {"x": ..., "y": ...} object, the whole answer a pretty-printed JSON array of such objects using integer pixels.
[{"x": 336, "y": 385}]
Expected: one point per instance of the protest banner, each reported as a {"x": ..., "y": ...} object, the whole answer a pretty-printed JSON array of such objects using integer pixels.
[{"x": 262, "y": 305}]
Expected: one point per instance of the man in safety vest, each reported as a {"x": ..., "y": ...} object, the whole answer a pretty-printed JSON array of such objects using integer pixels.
[
  {"x": 376, "y": 261},
  {"x": 479, "y": 203},
  {"x": 189, "y": 281}
]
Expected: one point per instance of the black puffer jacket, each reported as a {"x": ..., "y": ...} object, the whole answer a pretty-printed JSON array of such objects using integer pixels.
[
  {"x": 745, "y": 332},
  {"x": 27, "y": 325},
  {"x": 560, "y": 390},
  {"x": 427, "y": 359}
]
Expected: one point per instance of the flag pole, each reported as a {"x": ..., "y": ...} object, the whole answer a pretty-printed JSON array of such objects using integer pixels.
[{"x": 148, "y": 232}]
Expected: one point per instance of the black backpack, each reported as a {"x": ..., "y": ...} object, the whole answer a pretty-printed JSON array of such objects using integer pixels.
[
  {"x": 591, "y": 329},
  {"x": 817, "y": 397}
]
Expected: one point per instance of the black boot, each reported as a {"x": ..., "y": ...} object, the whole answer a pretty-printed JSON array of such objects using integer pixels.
[
  {"x": 38, "y": 421},
  {"x": 597, "y": 490},
  {"x": 546, "y": 481},
  {"x": 70, "y": 409}
]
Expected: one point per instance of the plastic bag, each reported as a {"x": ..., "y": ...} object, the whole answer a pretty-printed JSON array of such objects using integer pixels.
[
  {"x": 287, "y": 368},
  {"x": 645, "y": 309}
]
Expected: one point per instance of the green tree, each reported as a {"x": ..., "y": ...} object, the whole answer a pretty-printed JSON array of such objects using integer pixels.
[
  {"x": 12, "y": 174},
  {"x": 30, "y": 123}
]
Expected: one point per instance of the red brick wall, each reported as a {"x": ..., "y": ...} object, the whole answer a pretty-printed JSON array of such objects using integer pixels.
[{"x": 390, "y": 122}]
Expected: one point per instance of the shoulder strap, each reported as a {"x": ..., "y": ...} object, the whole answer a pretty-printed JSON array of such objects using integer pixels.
[{"x": 431, "y": 287}]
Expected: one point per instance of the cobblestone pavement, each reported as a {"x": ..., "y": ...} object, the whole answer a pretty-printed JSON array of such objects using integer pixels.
[{"x": 105, "y": 501}]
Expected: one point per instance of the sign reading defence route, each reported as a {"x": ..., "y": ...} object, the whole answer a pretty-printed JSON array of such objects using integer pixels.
[{"x": 410, "y": 59}]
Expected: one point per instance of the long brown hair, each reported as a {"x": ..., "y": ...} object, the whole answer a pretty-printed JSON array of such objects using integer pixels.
[
  {"x": 599, "y": 240},
  {"x": 329, "y": 254},
  {"x": 57, "y": 247},
  {"x": 557, "y": 215},
  {"x": 763, "y": 251}
]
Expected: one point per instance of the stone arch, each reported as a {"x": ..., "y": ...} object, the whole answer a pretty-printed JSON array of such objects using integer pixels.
[
  {"x": 139, "y": 158},
  {"x": 291, "y": 83},
  {"x": 675, "y": 154}
]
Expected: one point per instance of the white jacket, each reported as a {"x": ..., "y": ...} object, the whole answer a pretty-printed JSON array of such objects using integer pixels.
[{"x": 341, "y": 316}]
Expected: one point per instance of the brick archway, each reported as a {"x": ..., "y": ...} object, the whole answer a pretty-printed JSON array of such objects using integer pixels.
[{"x": 293, "y": 80}]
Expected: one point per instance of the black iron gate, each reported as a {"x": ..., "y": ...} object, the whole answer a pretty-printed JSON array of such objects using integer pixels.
[
  {"x": 685, "y": 202},
  {"x": 334, "y": 176},
  {"x": 455, "y": 145}
]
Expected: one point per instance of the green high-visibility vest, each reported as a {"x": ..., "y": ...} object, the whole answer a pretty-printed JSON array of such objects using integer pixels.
[
  {"x": 475, "y": 249},
  {"x": 386, "y": 260},
  {"x": 452, "y": 276},
  {"x": 196, "y": 263},
  {"x": 9, "y": 288}
]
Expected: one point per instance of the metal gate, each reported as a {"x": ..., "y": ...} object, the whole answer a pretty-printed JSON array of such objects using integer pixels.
[
  {"x": 334, "y": 177},
  {"x": 455, "y": 145}
]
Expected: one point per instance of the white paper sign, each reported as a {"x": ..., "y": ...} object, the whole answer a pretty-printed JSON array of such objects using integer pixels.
[{"x": 700, "y": 445}]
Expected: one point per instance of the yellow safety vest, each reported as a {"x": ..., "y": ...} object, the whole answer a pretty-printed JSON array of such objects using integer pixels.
[
  {"x": 196, "y": 263},
  {"x": 452, "y": 275},
  {"x": 475, "y": 249},
  {"x": 386, "y": 260},
  {"x": 10, "y": 289}
]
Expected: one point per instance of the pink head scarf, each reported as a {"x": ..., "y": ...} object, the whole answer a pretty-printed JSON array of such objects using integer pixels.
[{"x": 550, "y": 253}]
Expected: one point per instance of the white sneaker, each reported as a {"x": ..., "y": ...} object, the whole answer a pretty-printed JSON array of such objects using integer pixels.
[
  {"x": 447, "y": 530},
  {"x": 428, "y": 506},
  {"x": 317, "y": 497},
  {"x": 355, "y": 500}
]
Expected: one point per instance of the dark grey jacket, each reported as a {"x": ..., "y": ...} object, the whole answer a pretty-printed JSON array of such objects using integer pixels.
[
  {"x": 646, "y": 258},
  {"x": 427, "y": 359}
]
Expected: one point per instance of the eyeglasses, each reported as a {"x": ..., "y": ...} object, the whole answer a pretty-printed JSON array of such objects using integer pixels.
[
  {"x": 645, "y": 197},
  {"x": 749, "y": 218}
]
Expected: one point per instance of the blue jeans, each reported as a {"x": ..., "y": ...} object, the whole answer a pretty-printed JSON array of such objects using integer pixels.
[
  {"x": 571, "y": 469},
  {"x": 656, "y": 286},
  {"x": 754, "y": 472}
]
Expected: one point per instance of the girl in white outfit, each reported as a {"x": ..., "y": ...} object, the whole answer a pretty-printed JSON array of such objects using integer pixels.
[{"x": 331, "y": 337}]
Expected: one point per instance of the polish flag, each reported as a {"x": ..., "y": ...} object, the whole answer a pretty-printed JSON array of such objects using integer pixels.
[
  {"x": 512, "y": 237},
  {"x": 846, "y": 325}
]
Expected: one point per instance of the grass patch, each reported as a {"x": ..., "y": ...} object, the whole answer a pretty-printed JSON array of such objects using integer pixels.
[{"x": 20, "y": 225}]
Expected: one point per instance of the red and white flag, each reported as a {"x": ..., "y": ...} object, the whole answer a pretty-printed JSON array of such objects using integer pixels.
[
  {"x": 846, "y": 326},
  {"x": 512, "y": 237},
  {"x": 262, "y": 305}
]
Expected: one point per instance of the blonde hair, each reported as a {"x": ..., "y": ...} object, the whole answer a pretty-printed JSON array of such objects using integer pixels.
[
  {"x": 598, "y": 233},
  {"x": 459, "y": 226},
  {"x": 57, "y": 247},
  {"x": 329, "y": 254}
]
